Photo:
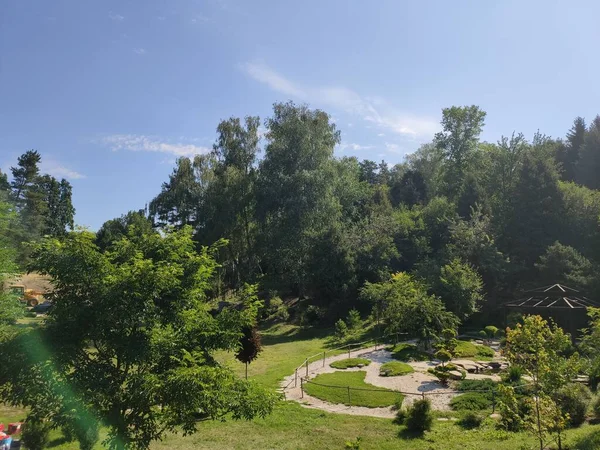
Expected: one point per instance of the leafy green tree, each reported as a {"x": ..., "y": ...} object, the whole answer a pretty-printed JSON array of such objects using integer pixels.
[
  {"x": 409, "y": 190},
  {"x": 231, "y": 197},
  {"x": 182, "y": 199},
  {"x": 568, "y": 157},
  {"x": 25, "y": 175},
  {"x": 405, "y": 306},
  {"x": 540, "y": 349},
  {"x": 460, "y": 288},
  {"x": 134, "y": 225},
  {"x": 368, "y": 171},
  {"x": 580, "y": 219},
  {"x": 537, "y": 208},
  {"x": 295, "y": 201},
  {"x": 10, "y": 306},
  {"x": 131, "y": 340},
  {"x": 564, "y": 264},
  {"x": 473, "y": 241},
  {"x": 4, "y": 184},
  {"x": 588, "y": 165},
  {"x": 458, "y": 140}
]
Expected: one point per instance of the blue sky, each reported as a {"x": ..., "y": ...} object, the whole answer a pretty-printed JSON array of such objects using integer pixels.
[{"x": 112, "y": 92}]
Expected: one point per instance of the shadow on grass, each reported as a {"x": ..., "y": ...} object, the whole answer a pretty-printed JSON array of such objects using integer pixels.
[
  {"x": 589, "y": 442},
  {"x": 408, "y": 435},
  {"x": 57, "y": 442},
  {"x": 272, "y": 336}
]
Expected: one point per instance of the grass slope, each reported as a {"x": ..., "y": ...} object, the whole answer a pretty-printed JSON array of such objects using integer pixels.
[{"x": 373, "y": 398}]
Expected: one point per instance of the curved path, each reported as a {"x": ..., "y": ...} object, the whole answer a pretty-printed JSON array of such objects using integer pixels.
[{"x": 417, "y": 384}]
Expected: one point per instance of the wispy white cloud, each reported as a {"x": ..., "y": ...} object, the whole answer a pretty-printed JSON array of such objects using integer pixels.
[
  {"x": 139, "y": 51},
  {"x": 142, "y": 143},
  {"x": 266, "y": 75},
  {"x": 115, "y": 17},
  {"x": 381, "y": 134},
  {"x": 161, "y": 18},
  {"x": 58, "y": 170},
  {"x": 394, "y": 148},
  {"x": 343, "y": 146},
  {"x": 373, "y": 110}
]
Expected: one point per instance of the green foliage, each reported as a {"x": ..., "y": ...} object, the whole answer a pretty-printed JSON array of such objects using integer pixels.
[
  {"x": 470, "y": 420},
  {"x": 141, "y": 305},
  {"x": 405, "y": 306},
  {"x": 394, "y": 369},
  {"x": 354, "y": 445},
  {"x": 574, "y": 399},
  {"x": 461, "y": 288},
  {"x": 513, "y": 375},
  {"x": 35, "y": 434},
  {"x": 330, "y": 388},
  {"x": 350, "y": 362},
  {"x": 589, "y": 160},
  {"x": 539, "y": 349},
  {"x": 467, "y": 349},
  {"x": 596, "y": 407},
  {"x": 341, "y": 330},
  {"x": 443, "y": 355},
  {"x": 491, "y": 331},
  {"x": 354, "y": 321},
  {"x": 409, "y": 352},
  {"x": 471, "y": 401},
  {"x": 419, "y": 417},
  {"x": 485, "y": 384}
]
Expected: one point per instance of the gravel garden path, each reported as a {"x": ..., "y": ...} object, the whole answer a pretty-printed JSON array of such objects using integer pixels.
[{"x": 414, "y": 385}]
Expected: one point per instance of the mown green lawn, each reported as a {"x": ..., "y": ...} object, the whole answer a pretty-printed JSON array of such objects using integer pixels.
[{"x": 321, "y": 388}]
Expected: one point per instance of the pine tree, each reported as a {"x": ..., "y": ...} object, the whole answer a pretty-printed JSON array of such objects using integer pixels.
[{"x": 588, "y": 166}]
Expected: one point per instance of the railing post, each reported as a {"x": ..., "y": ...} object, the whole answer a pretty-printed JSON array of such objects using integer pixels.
[
  {"x": 301, "y": 388},
  {"x": 306, "y": 370},
  {"x": 423, "y": 395},
  {"x": 296, "y": 379},
  {"x": 349, "y": 400},
  {"x": 323, "y": 359},
  {"x": 348, "y": 352}
]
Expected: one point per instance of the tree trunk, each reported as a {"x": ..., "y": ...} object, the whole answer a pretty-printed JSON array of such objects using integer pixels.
[{"x": 246, "y": 371}]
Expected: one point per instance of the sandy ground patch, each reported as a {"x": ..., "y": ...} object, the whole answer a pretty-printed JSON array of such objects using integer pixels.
[{"x": 414, "y": 386}]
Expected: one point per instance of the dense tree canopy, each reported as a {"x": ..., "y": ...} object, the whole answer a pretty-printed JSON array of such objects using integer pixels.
[{"x": 132, "y": 338}]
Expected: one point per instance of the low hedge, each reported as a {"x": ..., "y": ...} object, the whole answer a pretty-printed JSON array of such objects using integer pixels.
[
  {"x": 471, "y": 401},
  {"x": 349, "y": 362},
  {"x": 394, "y": 369}
]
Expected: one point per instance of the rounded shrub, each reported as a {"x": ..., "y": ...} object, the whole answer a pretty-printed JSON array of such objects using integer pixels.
[
  {"x": 350, "y": 362},
  {"x": 394, "y": 369},
  {"x": 419, "y": 417},
  {"x": 35, "y": 434},
  {"x": 513, "y": 375},
  {"x": 470, "y": 420},
  {"x": 471, "y": 401},
  {"x": 574, "y": 399},
  {"x": 596, "y": 407}
]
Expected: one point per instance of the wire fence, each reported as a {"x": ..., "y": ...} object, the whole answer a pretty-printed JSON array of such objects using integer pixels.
[{"x": 352, "y": 347}]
